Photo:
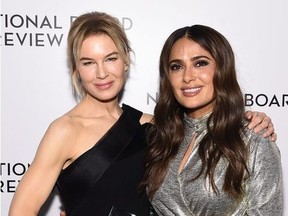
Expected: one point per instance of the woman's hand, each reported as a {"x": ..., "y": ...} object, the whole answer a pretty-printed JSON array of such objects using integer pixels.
[{"x": 260, "y": 121}]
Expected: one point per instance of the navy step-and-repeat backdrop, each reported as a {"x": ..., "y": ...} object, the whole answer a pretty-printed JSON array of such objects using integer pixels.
[{"x": 35, "y": 83}]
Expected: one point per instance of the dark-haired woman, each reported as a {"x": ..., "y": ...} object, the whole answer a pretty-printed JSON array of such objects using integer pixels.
[{"x": 203, "y": 159}]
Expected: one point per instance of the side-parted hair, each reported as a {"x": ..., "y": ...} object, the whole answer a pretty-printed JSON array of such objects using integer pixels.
[
  {"x": 223, "y": 139},
  {"x": 90, "y": 24}
]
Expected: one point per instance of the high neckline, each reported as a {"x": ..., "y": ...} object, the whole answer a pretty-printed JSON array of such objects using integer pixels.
[{"x": 196, "y": 125}]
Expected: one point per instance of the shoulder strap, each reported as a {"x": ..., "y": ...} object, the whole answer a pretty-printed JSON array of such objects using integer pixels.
[
  {"x": 133, "y": 113},
  {"x": 116, "y": 140}
]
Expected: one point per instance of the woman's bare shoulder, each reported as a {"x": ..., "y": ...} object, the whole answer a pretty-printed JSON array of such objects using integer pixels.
[
  {"x": 146, "y": 118},
  {"x": 62, "y": 124},
  {"x": 61, "y": 129}
]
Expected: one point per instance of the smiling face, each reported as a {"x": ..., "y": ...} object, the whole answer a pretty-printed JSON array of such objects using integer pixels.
[
  {"x": 191, "y": 71},
  {"x": 101, "y": 68}
]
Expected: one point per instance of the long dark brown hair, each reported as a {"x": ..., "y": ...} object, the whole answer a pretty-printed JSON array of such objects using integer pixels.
[{"x": 223, "y": 139}]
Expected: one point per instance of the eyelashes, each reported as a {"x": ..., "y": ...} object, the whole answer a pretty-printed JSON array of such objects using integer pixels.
[
  {"x": 175, "y": 67},
  {"x": 178, "y": 66},
  {"x": 111, "y": 59},
  {"x": 201, "y": 63},
  {"x": 89, "y": 62}
]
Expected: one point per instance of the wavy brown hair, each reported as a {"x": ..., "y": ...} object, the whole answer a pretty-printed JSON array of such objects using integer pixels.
[{"x": 223, "y": 139}]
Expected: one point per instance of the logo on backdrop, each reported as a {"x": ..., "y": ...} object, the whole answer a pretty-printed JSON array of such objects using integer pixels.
[
  {"x": 262, "y": 100},
  {"x": 151, "y": 98},
  {"x": 39, "y": 30},
  {"x": 11, "y": 173}
]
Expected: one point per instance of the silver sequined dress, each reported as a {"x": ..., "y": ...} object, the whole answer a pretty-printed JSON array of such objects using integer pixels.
[{"x": 178, "y": 195}]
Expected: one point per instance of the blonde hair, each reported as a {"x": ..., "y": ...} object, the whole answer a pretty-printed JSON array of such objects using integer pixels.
[{"x": 89, "y": 24}]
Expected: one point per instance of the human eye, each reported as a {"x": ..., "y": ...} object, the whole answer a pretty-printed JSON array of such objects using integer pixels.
[
  {"x": 175, "y": 67},
  {"x": 112, "y": 58},
  {"x": 87, "y": 63},
  {"x": 201, "y": 63}
]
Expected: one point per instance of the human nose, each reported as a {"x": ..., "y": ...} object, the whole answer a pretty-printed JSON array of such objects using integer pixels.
[
  {"x": 101, "y": 72},
  {"x": 189, "y": 75}
]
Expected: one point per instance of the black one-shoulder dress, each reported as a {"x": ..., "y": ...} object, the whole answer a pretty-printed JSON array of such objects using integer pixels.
[{"x": 105, "y": 178}]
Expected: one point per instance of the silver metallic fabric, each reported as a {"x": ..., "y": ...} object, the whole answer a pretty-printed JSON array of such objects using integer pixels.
[{"x": 178, "y": 195}]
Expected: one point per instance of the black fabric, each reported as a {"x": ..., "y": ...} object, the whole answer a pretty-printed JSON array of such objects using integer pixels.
[{"x": 106, "y": 176}]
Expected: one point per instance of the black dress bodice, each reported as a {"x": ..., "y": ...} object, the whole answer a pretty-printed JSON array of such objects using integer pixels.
[{"x": 107, "y": 176}]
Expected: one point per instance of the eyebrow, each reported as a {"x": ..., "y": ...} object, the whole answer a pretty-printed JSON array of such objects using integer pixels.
[
  {"x": 198, "y": 57},
  {"x": 110, "y": 54},
  {"x": 193, "y": 58}
]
